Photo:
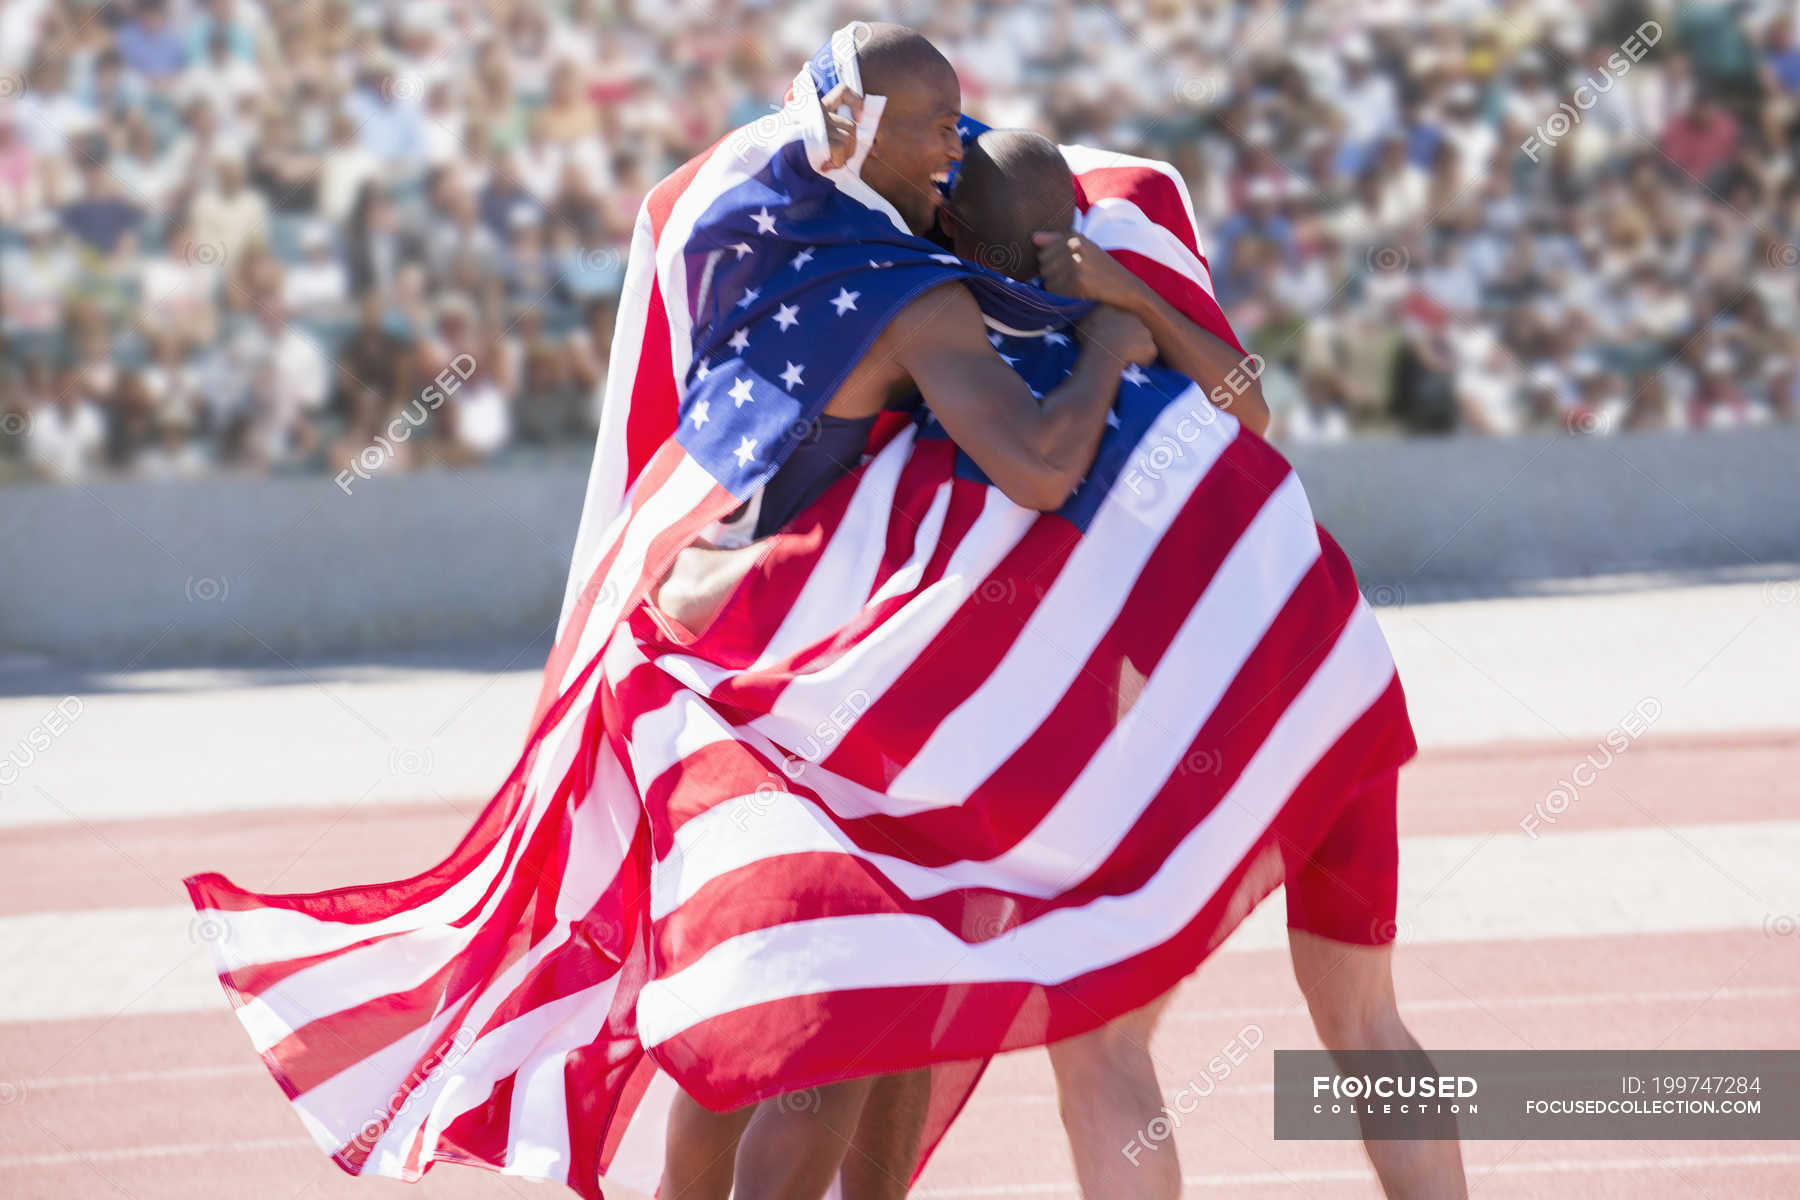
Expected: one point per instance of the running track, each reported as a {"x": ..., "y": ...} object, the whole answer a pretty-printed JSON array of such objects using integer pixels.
[{"x": 1660, "y": 908}]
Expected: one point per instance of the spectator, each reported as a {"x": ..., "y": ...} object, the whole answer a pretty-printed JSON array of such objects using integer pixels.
[
  {"x": 229, "y": 215},
  {"x": 101, "y": 216},
  {"x": 150, "y": 46},
  {"x": 317, "y": 285}
]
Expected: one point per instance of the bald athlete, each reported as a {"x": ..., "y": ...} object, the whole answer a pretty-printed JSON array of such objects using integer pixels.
[
  {"x": 1014, "y": 210},
  {"x": 1034, "y": 452}
]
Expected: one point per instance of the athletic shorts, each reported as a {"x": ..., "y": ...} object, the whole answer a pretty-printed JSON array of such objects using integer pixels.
[{"x": 1347, "y": 889}]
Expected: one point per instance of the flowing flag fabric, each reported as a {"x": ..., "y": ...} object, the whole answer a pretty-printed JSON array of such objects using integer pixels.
[{"x": 945, "y": 777}]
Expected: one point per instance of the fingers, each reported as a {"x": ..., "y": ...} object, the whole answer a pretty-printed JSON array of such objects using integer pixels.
[{"x": 843, "y": 96}]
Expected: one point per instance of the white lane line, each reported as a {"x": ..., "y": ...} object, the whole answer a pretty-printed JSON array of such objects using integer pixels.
[
  {"x": 1174, "y": 1017},
  {"x": 165, "y": 1150},
  {"x": 154, "y": 1075},
  {"x": 1493, "y": 887},
  {"x": 1365, "y": 1175},
  {"x": 1504, "y": 1000}
]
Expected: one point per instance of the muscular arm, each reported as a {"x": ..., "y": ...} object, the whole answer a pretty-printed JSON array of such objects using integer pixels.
[
  {"x": 1075, "y": 266},
  {"x": 1036, "y": 452},
  {"x": 1202, "y": 356}
]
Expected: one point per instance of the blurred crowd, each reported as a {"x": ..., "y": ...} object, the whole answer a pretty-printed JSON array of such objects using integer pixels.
[{"x": 248, "y": 233}]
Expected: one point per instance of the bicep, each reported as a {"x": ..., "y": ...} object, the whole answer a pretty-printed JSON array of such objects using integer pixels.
[{"x": 985, "y": 407}]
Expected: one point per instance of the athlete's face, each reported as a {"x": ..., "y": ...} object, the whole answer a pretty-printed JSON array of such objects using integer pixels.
[{"x": 915, "y": 146}]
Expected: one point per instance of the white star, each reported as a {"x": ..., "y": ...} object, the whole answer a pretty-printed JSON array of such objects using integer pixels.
[
  {"x": 1056, "y": 339},
  {"x": 702, "y": 371},
  {"x": 740, "y": 392},
  {"x": 1134, "y": 374},
  {"x": 1009, "y": 360},
  {"x": 748, "y": 298},
  {"x": 742, "y": 248},
  {"x": 946, "y": 258},
  {"x": 879, "y": 265},
  {"x": 802, "y": 258},
  {"x": 845, "y": 301},
  {"x": 1036, "y": 395},
  {"x": 994, "y": 340},
  {"x": 789, "y": 314},
  {"x": 746, "y": 451},
  {"x": 791, "y": 376},
  {"x": 764, "y": 222},
  {"x": 699, "y": 415},
  {"x": 1112, "y": 420},
  {"x": 740, "y": 341}
]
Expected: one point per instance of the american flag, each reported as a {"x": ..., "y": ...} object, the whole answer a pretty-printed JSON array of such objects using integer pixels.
[{"x": 944, "y": 778}]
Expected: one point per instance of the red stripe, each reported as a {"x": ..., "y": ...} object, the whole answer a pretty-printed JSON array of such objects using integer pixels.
[
  {"x": 816, "y": 1039},
  {"x": 1193, "y": 301},
  {"x": 1007, "y": 805},
  {"x": 1152, "y": 190},
  {"x": 809, "y": 884},
  {"x": 957, "y": 660}
]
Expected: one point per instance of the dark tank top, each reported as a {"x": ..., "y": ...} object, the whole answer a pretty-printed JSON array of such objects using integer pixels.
[{"x": 831, "y": 449}]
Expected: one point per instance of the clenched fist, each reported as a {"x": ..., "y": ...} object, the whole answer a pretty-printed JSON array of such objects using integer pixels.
[
  {"x": 1071, "y": 265},
  {"x": 1119, "y": 335}
]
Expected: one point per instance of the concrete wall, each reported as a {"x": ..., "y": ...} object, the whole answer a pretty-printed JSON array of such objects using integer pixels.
[{"x": 120, "y": 573}]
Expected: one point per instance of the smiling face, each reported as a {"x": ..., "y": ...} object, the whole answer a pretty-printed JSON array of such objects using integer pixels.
[{"x": 917, "y": 141}]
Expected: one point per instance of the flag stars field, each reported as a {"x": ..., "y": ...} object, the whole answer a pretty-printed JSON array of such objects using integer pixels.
[
  {"x": 764, "y": 222},
  {"x": 740, "y": 393},
  {"x": 791, "y": 376}
]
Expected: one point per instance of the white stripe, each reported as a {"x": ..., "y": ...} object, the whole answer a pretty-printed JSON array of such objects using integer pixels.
[
  {"x": 843, "y": 575},
  {"x": 1115, "y": 223},
  {"x": 888, "y": 950},
  {"x": 425, "y": 938},
  {"x": 605, "y": 502},
  {"x": 638, "y": 1162},
  {"x": 550, "y": 1030},
  {"x": 1075, "y": 613},
  {"x": 1105, "y": 800},
  {"x": 1460, "y": 888},
  {"x": 1082, "y": 159},
  {"x": 678, "y": 496},
  {"x": 1558, "y": 1166}
]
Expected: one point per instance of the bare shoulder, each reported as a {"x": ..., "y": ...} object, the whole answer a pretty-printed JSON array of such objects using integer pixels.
[{"x": 939, "y": 318}]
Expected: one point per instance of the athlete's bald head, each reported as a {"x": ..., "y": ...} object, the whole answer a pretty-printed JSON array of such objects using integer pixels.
[
  {"x": 916, "y": 141},
  {"x": 892, "y": 58},
  {"x": 1012, "y": 184}
]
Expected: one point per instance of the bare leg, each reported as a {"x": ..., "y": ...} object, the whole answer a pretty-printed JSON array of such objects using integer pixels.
[
  {"x": 886, "y": 1148},
  {"x": 796, "y": 1143},
  {"x": 1350, "y": 990},
  {"x": 702, "y": 1146},
  {"x": 1106, "y": 1087}
]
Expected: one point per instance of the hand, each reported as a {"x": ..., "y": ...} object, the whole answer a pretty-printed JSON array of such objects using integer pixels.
[
  {"x": 1119, "y": 335},
  {"x": 1074, "y": 266},
  {"x": 840, "y": 131}
]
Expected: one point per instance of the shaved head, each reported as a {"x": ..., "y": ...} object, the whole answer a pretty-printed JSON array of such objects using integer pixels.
[
  {"x": 893, "y": 58},
  {"x": 916, "y": 142},
  {"x": 1012, "y": 183}
]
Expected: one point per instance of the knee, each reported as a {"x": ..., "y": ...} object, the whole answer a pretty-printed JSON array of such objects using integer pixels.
[
  {"x": 1111, "y": 1052},
  {"x": 1372, "y": 1027}
]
